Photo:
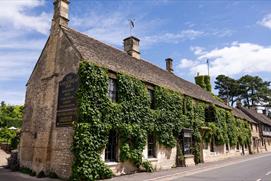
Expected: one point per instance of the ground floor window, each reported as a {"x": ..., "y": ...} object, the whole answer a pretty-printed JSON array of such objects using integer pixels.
[
  {"x": 111, "y": 147},
  {"x": 187, "y": 141},
  {"x": 227, "y": 147},
  {"x": 237, "y": 146},
  {"x": 212, "y": 146},
  {"x": 151, "y": 146},
  {"x": 206, "y": 144}
]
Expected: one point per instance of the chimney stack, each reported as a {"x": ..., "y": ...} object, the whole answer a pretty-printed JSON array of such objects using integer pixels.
[
  {"x": 169, "y": 65},
  {"x": 61, "y": 13},
  {"x": 131, "y": 46},
  {"x": 238, "y": 104}
]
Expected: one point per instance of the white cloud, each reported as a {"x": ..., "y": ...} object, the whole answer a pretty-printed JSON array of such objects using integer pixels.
[
  {"x": 186, "y": 63},
  {"x": 231, "y": 60},
  {"x": 197, "y": 50},
  {"x": 17, "y": 65},
  {"x": 12, "y": 96},
  {"x": 16, "y": 14},
  {"x": 113, "y": 27},
  {"x": 266, "y": 21},
  {"x": 183, "y": 35}
]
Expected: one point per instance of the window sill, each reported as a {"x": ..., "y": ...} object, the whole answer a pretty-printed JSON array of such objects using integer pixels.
[
  {"x": 152, "y": 159},
  {"x": 188, "y": 156},
  {"x": 111, "y": 163}
]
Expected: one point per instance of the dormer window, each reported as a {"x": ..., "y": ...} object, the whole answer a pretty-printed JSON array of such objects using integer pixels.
[{"x": 112, "y": 90}]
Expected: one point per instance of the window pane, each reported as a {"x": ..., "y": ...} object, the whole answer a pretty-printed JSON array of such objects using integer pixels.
[
  {"x": 151, "y": 97},
  {"x": 151, "y": 146},
  {"x": 111, "y": 147},
  {"x": 112, "y": 90},
  {"x": 187, "y": 145}
]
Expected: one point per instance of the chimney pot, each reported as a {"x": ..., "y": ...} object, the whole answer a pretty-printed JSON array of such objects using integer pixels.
[
  {"x": 169, "y": 65},
  {"x": 131, "y": 46},
  {"x": 238, "y": 104}
]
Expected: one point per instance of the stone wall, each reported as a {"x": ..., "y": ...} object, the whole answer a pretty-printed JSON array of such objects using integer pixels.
[
  {"x": 221, "y": 153},
  {"x": 43, "y": 146}
]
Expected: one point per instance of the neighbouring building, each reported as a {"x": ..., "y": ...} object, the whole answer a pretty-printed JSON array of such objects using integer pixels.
[
  {"x": 263, "y": 141},
  {"x": 51, "y": 105}
]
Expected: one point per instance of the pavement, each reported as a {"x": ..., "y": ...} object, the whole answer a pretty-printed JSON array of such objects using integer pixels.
[
  {"x": 8, "y": 175},
  {"x": 245, "y": 168}
]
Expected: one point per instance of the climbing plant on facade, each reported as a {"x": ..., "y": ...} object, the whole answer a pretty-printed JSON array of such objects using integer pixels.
[{"x": 133, "y": 116}]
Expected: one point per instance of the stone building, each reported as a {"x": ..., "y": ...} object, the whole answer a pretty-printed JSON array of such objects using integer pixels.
[
  {"x": 50, "y": 104},
  {"x": 261, "y": 134}
]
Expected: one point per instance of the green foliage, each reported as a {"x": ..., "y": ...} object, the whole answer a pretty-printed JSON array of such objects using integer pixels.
[
  {"x": 147, "y": 166},
  {"x": 10, "y": 115},
  {"x": 251, "y": 90},
  {"x": 7, "y": 135},
  {"x": 92, "y": 129},
  {"x": 204, "y": 82},
  {"x": 170, "y": 119},
  {"x": 132, "y": 118}
]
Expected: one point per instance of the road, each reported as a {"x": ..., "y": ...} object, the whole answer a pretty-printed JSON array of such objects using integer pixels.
[
  {"x": 247, "y": 168},
  {"x": 258, "y": 169}
]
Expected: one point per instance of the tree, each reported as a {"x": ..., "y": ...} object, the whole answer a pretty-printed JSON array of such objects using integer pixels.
[
  {"x": 251, "y": 90},
  {"x": 254, "y": 90},
  {"x": 10, "y": 115},
  {"x": 228, "y": 88}
]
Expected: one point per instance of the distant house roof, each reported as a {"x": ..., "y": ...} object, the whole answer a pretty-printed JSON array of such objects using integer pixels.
[
  {"x": 256, "y": 116},
  {"x": 117, "y": 60},
  {"x": 238, "y": 113}
]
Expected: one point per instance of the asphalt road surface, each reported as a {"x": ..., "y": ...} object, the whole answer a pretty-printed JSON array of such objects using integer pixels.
[
  {"x": 257, "y": 169},
  {"x": 248, "y": 168}
]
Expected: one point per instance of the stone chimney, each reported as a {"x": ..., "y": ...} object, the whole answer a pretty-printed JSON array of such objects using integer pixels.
[
  {"x": 169, "y": 65},
  {"x": 61, "y": 13},
  {"x": 238, "y": 104},
  {"x": 131, "y": 46}
]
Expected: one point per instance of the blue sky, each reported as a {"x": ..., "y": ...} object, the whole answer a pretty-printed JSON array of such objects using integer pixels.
[{"x": 233, "y": 35}]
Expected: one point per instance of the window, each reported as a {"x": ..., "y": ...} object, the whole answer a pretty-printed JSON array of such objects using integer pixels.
[
  {"x": 212, "y": 146},
  {"x": 151, "y": 146},
  {"x": 227, "y": 147},
  {"x": 111, "y": 148},
  {"x": 206, "y": 145},
  {"x": 187, "y": 142},
  {"x": 112, "y": 90},
  {"x": 151, "y": 97}
]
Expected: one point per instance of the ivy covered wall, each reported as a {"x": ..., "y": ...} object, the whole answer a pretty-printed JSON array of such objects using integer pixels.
[{"x": 132, "y": 118}]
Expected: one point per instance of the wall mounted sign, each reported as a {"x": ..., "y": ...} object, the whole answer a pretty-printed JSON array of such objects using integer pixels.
[{"x": 67, "y": 104}]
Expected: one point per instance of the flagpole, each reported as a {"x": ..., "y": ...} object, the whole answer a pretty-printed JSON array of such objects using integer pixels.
[{"x": 208, "y": 67}]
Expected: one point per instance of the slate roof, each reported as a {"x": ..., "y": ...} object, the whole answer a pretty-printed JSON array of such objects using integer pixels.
[
  {"x": 238, "y": 113},
  {"x": 256, "y": 116},
  {"x": 117, "y": 60}
]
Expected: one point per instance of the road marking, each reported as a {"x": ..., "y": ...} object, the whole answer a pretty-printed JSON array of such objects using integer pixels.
[
  {"x": 200, "y": 170},
  {"x": 268, "y": 173}
]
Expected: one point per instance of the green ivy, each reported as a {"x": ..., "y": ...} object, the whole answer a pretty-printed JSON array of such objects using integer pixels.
[
  {"x": 132, "y": 118},
  {"x": 204, "y": 82}
]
